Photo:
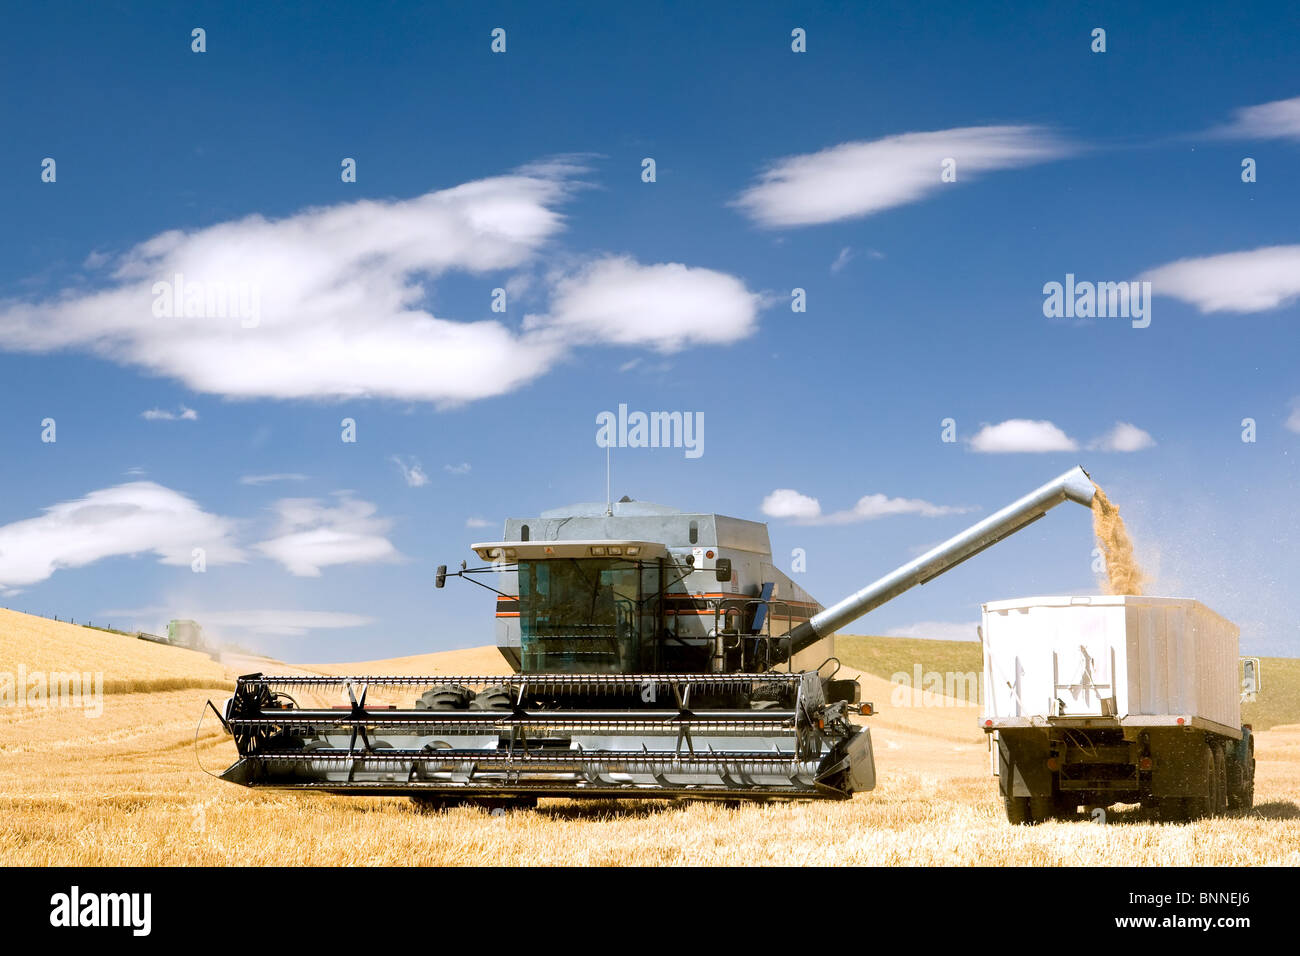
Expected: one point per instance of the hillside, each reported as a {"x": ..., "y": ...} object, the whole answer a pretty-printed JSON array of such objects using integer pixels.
[{"x": 37, "y": 644}]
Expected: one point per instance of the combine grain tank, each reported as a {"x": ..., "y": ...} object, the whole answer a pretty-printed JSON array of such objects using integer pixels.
[
  {"x": 656, "y": 653},
  {"x": 1117, "y": 699}
]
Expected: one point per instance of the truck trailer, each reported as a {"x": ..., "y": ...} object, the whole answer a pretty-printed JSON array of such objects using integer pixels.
[{"x": 1099, "y": 700}]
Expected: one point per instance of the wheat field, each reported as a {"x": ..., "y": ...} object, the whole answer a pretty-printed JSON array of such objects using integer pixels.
[{"x": 127, "y": 788}]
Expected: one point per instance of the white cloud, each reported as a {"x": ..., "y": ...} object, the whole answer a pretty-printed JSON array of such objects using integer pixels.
[
  {"x": 1022, "y": 435},
  {"x": 788, "y": 503},
  {"x": 267, "y": 479},
  {"x": 477, "y": 523},
  {"x": 667, "y": 307},
  {"x": 162, "y": 415},
  {"x": 861, "y": 178},
  {"x": 1279, "y": 119},
  {"x": 129, "y": 519},
  {"x": 802, "y": 509},
  {"x": 1292, "y": 422},
  {"x": 1251, "y": 281},
  {"x": 937, "y": 631},
  {"x": 1123, "y": 437},
  {"x": 348, "y": 286},
  {"x": 842, "y": 259},
  {"x": 462, "y": 469},
  {"x": 312, "y": 535},
  {"x": 412, "y": 472}
]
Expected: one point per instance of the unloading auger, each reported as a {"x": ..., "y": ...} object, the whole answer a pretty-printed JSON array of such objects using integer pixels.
[{"x": 647, "y": 646}]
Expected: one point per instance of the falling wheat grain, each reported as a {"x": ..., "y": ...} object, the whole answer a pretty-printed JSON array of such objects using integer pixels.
[{"x": 1123, "y": 575}]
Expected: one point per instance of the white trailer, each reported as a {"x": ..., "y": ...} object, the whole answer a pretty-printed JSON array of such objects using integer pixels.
[{"x": 1094, "y": 701}]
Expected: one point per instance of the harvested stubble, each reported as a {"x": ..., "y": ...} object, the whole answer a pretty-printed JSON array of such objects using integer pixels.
[{"x": 125, "y": 789}]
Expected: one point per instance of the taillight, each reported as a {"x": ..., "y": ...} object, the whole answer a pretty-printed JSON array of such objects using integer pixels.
[
  {"x": 1053, "y": 764},
  {"x": 1144, "y": 763}
]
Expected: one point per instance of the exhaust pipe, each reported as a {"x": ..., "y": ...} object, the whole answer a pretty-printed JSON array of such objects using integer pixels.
[{"x": 1074, "y": 485}]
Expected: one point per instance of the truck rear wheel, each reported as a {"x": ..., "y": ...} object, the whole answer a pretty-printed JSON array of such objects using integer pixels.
[
  {"x": 1041, "y": 809},
  {"x": 1170, "y": 809},
  {"x": 1241, "y": 778},
  {"x": 1202, "y": 803},
  {"x": 1018, "y": 810},
  {"x": 1220, "y": 781}
]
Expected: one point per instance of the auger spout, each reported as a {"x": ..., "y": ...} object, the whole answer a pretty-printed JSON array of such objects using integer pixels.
[{"x": 1074, "y": 485}]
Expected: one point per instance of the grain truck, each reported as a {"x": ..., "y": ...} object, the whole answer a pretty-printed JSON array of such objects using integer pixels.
[
  {"x": 1097, "y": 700},
  {"x": 655, "y": 653}
]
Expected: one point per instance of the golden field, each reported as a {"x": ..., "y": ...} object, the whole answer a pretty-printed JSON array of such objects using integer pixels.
[{"x": 125, "y": 788}]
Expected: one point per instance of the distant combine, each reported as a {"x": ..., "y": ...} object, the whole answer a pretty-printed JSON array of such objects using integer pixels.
[{"x": 180, "y": 633}]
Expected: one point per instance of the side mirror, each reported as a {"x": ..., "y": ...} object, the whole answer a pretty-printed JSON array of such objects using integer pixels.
[
  {"x": 722, "y": 568},
  {"x": 441, "y": 579},
  {"x": 1250, "y": 682}
]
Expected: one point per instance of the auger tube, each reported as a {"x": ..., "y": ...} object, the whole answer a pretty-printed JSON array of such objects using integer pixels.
[{"x": 1074, "y": 485}]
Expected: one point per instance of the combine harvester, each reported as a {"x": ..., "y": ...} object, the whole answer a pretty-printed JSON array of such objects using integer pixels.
[{"x": 656, "y": 653}]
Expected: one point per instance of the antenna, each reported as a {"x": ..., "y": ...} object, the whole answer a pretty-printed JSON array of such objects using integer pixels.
[{"x": 609, "y": 500}]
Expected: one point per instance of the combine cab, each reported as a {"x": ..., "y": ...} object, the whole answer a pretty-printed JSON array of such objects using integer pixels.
[{"x": 655, "y": 654}]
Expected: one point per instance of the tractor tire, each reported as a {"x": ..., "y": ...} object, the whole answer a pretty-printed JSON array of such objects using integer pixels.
[{"x": 496, "y": 697}]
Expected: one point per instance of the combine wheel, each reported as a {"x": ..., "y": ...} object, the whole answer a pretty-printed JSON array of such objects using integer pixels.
[
  {"x": 433, "y": 803},
  {"x": 454, "y": 697},
  {"x": 496, "y": 697},
  {"x": 500, "y": 806}
]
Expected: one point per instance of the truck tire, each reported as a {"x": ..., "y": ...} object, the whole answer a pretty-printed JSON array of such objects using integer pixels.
[
  {"x": 1220, "y": 781},
  {"x": 1041, "y": 809},
  {"x": 1201, "y": 804},
  {"x": 1241, "y": 780},
  {"x": 1065, "y": 806},
  {"x": 1018, "y": 810},
  {"x": 1170, "y": 809}
]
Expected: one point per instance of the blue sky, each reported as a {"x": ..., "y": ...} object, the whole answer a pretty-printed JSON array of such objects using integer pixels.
[{"x": 522, "y": 170}]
